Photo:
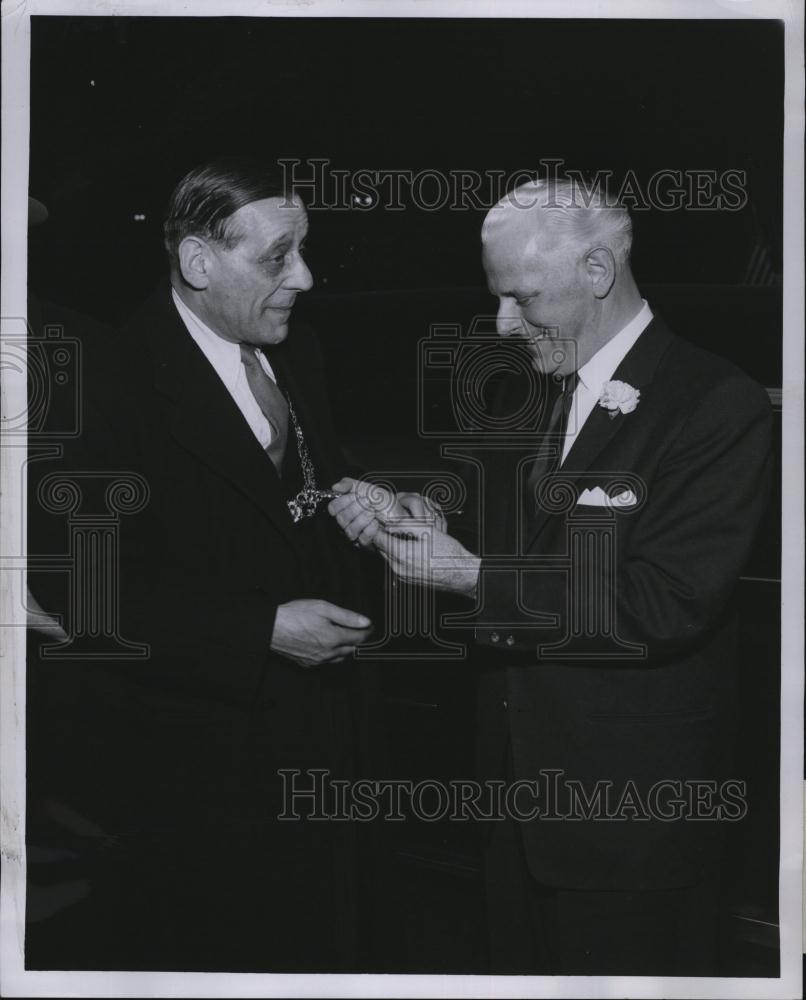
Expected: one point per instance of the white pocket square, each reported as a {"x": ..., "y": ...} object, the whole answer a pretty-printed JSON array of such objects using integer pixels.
[{"x": 598, "y": 498}]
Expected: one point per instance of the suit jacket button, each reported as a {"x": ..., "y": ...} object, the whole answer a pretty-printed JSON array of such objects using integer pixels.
[
  {"x": 510, "y": 640},
  {"x": 494, "y": 637},
  {"x": 505, "y": 704}
]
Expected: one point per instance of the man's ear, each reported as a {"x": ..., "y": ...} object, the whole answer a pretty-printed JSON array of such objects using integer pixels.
[
  {"x": 194, "y": 262},
  {"x": 601, "y": 267}
]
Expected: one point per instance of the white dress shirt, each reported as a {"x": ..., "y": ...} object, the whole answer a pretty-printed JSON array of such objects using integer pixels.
[
  {"x": 598, "y": 370},
  {"x": 225, "y": 357}
]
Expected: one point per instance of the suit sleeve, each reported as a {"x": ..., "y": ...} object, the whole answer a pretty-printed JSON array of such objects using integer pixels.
[
  {"x": 682, "y": 557},
  {"x": 198, "y": 638}
]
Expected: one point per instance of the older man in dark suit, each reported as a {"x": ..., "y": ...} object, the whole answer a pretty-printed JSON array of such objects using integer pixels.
[
  {"x": 616, "y": 513},
  {"x": 242, "y": 589}
]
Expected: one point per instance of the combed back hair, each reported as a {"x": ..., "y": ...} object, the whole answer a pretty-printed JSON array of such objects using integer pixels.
[
  {"x": 581, "y": 215},
  {"x": 207, "y": 197}
]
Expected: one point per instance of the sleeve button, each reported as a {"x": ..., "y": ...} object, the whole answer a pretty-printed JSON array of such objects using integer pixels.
[
  {"x": 510, "y": 640},
  {"x": 495, "y": 637}
]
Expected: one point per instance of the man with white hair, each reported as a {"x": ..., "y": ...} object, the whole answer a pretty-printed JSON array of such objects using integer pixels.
[{"x": 602, "y": 584}]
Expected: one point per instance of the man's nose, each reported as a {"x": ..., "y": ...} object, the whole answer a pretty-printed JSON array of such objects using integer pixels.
[
  {"x": 508, "y": 322},
  {"x": 300, "y": 278}
]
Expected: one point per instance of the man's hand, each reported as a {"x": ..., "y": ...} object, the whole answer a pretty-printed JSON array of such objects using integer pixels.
[
  {"x": 428, "y": 556},
  {"x": 409, "y": 531},
  {"x": 40, "y": 621},
  {"x": 311, "y": 632},
  {"x": 364, "y": 509}
]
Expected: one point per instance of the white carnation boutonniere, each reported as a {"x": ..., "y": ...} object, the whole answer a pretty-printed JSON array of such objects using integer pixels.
[{"x": 619, "y": 397}]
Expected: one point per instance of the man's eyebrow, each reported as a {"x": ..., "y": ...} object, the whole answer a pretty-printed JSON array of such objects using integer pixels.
[
  {"x": 282, "y": 241},
  {"x": 275, "y": 244}
]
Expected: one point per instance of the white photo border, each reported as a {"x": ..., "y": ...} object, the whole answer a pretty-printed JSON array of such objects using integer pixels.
[{"x": 16, "y": 981}]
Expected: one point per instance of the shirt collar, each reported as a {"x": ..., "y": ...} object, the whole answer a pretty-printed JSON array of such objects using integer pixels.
[
  {"x": 600, "y": 368},
  {"x": 223, "y": 355}
]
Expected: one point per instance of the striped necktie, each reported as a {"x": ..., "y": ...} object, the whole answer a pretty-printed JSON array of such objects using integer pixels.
[
  {"x": 271, "y": 401},
  {"x": 555, "y": 429}
]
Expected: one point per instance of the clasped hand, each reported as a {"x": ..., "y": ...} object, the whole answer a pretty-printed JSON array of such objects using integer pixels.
[
  {"x": 409, "y": 531},
  {"x": 313, "y": 632}
]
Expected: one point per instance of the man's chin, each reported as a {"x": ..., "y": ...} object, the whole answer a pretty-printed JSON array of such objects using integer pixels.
[
  {"x": 271, "y": 336},
  {"x": 550, "y": 360},
  {"x": 542, "y": 362}
]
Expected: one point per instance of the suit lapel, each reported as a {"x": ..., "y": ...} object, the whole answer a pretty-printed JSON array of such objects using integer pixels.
[
  {"x": 207, "y": 421},
  {"x": 636, "y": 369}
]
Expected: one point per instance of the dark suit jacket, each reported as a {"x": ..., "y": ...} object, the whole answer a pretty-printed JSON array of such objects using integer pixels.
[
  {"x": 186, "y": 743},
  {"x": 621, "y": 668}
]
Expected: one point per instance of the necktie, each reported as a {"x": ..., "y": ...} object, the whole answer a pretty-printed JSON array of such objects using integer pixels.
[
  {"x": 555, "y": 433},
  {"x": 570, "y": 383},
  {"x": 271, "y": 401}
]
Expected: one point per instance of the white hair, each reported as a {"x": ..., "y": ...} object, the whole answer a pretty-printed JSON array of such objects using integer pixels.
[{"x": 582, "y": 217}]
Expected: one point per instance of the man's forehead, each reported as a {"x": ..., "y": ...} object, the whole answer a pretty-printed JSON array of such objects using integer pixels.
[
  {"x": 511, "y": 229},
  {"x": 273, "y": 216},
  {"x": 515, "y": 251}
]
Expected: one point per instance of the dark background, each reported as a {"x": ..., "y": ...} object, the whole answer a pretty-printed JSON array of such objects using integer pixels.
[{"x": 121, "y": 107}]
